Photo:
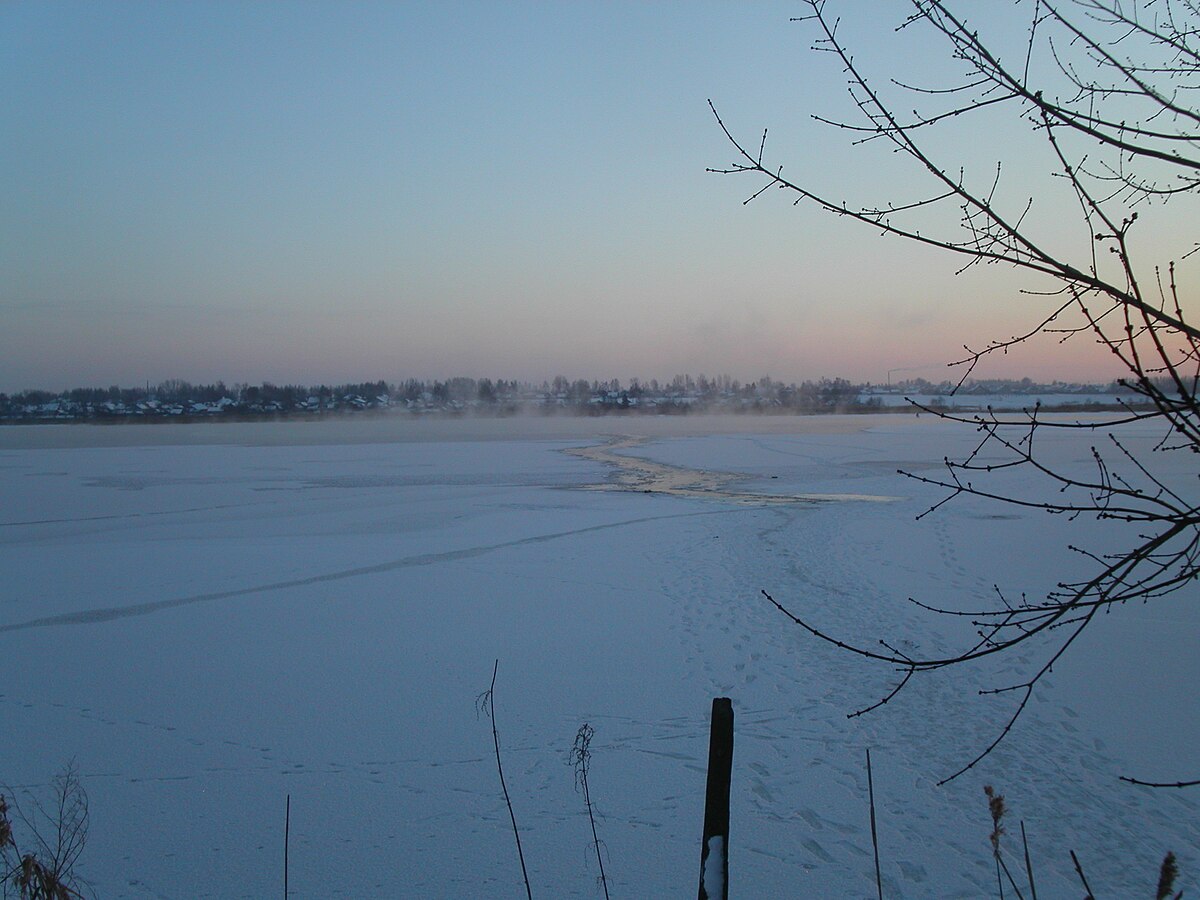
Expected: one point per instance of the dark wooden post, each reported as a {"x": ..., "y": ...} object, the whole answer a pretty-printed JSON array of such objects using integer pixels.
[{"x": 714, "y": 853}]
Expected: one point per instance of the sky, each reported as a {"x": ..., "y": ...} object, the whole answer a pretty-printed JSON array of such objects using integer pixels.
[{"x": 328, "y": 192}]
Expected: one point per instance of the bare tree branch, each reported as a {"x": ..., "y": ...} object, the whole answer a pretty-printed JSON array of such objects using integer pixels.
[{"x": 1112, "y": 88}]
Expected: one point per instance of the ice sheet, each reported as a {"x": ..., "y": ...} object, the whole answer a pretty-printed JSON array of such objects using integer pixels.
[{"x": 206, "y": 628}]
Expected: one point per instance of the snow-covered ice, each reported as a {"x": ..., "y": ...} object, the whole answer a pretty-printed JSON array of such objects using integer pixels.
[{"x": 209, "y": 618}]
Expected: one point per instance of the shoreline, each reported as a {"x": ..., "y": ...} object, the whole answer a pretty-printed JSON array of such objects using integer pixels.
[{"x": 389, "y": 429}]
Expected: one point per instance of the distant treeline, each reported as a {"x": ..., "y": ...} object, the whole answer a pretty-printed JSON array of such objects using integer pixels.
[{"x": 175, "y": 398}]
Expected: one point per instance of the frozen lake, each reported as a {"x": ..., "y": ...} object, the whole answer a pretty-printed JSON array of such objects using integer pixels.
[{"x": 210, "y": 617}]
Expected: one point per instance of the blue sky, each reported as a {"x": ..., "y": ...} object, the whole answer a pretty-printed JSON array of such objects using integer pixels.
[{"x": 323, "y": 192}]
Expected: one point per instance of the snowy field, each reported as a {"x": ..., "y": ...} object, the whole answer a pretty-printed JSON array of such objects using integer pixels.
[{"x": 207, "y": 618}]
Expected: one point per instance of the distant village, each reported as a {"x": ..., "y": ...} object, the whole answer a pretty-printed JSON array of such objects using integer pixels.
[{"x": 684, "y": 394}]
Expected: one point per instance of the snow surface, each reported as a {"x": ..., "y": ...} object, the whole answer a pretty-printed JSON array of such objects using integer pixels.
[
  {"x": 207, "y": 620},
  {"x": 712, "y": 871}
]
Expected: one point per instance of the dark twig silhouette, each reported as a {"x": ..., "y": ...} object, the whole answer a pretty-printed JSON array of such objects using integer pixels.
[
  {"x": 287, "y": 828},
  {"x": 44, "y": 869},
  {"x": 1110, "y": 88},
  {"x": 1082, "y": 877},
  {"x": 874, "y": 833},
  {"x": 486, "y": 702},
  {"x": 581, "y": 761}
]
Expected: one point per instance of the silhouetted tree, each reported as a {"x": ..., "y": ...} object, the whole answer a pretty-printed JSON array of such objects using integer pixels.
[{"x": 1110, "y": 88}]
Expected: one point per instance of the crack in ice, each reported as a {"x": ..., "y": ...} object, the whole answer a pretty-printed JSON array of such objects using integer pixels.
[{"x": 108, "y": 614}]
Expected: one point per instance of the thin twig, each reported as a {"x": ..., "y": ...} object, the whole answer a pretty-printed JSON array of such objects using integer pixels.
[
  {"x": 581, "y": 759},
  {"x": 1079, "y": 869},
  {"x": 1028, "y": 864},
  {"x": 487, "y": 700},
  {"x": 874, "y": 834},
  {"x": 287, "y": 824},
  {"x": 1160, "y": 784}
]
